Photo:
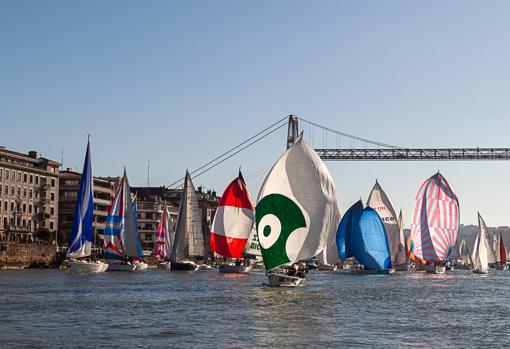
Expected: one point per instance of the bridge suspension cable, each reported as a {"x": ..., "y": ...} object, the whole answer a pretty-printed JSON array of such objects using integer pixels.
[
  {"x": 235, "y": 150},
  {"x": 343, "y": 134}
]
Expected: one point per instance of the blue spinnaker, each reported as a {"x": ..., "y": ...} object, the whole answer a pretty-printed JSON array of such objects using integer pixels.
[{"x": 345, "y": 228}]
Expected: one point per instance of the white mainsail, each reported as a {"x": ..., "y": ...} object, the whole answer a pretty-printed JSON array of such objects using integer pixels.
[
  {"x": 480, "y": 255},
  {"x": 491, "y": 252},
  {"x": 401, "y": 257},
  {"x": 189, "y": 238},
  {"x": 252, "y": 246},
  {"x": 296, "y": 207},
  {"x": 379, "y": 201}
]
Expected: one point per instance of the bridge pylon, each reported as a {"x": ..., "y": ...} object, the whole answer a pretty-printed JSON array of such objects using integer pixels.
[{"x": 292, "y": 131}]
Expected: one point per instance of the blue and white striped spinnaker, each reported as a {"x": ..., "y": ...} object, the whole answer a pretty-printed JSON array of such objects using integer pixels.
[{"x": 80, "y": 239}]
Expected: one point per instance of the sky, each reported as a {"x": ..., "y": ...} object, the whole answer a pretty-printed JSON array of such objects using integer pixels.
[{"x": 180, "y": 82}]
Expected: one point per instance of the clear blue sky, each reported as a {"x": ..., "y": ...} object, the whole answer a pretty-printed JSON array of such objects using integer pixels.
[{"x": 179, "y": 82}]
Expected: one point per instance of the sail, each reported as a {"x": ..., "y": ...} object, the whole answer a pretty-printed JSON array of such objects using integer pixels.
[
  {"x": 296, "y": 207},
  {"x": 120, "y": 233},
  {"x": 163, "y": 243},
  {"x": 401, "y": 257},
  {"x": 138, "y": 241},
  {"x": 329, "y": 254},
  {"x": 379, "y": 201},
  {"x": 345, "y": 228},
  {"x": 252, "y": 247},
  {"x": 435, "y": 222},
  {"x": 80, "y": 238},
  {"x": 233, "y": 220},
  {"x": 189, "y": 239},
  {"x": 480, "y": 260},
  {"x": 502, "y": 249},
  {"x": 491, "y": 248},
  {"x": 475, "y": 261},
  {"x": 369, "y": 242}
]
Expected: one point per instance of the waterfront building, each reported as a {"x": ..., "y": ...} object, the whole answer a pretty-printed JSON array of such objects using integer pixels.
[
  {"x": 104, "y": 190},
  {"x": 29, "y": 187}
]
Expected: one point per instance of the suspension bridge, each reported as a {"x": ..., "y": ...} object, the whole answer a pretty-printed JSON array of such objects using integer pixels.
[{"x": 348, "y": 148}]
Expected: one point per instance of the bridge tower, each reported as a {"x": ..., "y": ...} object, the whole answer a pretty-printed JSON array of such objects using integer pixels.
[{"x": 292, "y": 131}]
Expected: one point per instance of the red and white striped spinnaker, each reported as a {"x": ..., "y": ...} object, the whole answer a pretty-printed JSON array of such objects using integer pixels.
[
  {"x": 435, "y": 224},
  {"x": 164, "y": 235},
  {"x": 233, "y": 220}
]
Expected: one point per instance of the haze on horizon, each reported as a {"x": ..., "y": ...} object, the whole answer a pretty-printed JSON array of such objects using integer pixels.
[{"x": 181, "y": 82}]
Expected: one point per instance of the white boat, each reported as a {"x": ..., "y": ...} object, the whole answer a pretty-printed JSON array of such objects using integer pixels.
[
  {"x": 284, "y": 280},
  {"x": 480, "y": 249},
  {"x": 140, "y": 265},
  {"x": 327, "y": 267},
  {"x": 296, "y": 211},
  {"x": 164, "y": 265},
  {"x": 85, "y": 267},
  {"x": 80, "y": 238},
  {"x": 233, "y": 268},
  {"x": 188, "y": 242},
  {"x": 120, "y": 266}
]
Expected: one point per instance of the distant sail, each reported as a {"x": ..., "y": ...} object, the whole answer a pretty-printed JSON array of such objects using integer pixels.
[
  {"x": 164, "y": 233},
  {"x": 138, "y": 240},
  {"x": 369, "y": 241},
  {"x": 401, "y": 252},
  {"x": 435, "y": 223},
  {"x": 296, "y": 208},
  {"x": 233, "y": 220},
  {"x": 502, "y": 249},
  {"x": 480, "y": 261},
  {"x": 493, "y": 249},
  {"x": 120, "y": 233},
  {"x": 189, "y": 238},
  {"x": 329, "y": 254},
  {"x": 345, "y": 228},
  {"x": 80, "y": 239},
  {"x": 379, "y": 201}
]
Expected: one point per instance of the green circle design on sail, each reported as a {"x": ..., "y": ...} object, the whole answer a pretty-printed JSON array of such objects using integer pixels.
[{"x": 277, "y": 217}]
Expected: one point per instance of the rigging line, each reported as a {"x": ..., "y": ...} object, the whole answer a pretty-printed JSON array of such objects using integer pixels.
[
  {"x": 240, "y": 150},
  {"x": 351, "y": 136},
  {"x": 232, "y": 149}
]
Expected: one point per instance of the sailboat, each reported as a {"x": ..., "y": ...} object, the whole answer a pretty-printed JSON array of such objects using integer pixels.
[
  {"x": 232, "y": 226},
  {"x": 189, "y": 240},
  {"x": 401, "y": 260},
  {"x": 362, "y": 235},
  {"x": 252, "y": 249},
  {"x": 328, "y": 258},
  {"x": 502, "y": 254},
  {"x": 296, "y": 209},
  {"x": 80, "y": 237},
  {"x": 480, "y": 249},
  {"x": 435, "y": 224},
  {"x": 164, "y": 239},
  {"x": 139, "y": 261},
  {"x": 120, "y": 234},
  {"x": 379, "y": 201},
  {"x": 492, "y": 249}
]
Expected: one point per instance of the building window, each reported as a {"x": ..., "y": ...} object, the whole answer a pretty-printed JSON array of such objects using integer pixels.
[
  {"x": 53, "y": 182},
  {"x": 18, "y": 191},
  {"x": 52, "y": 195},
  {"x": 52, "y": 211},
  {"x": 6, "y": 174},
  {"x": 19, "y": 176},
  {"x": 24, "y": 207},
  {"x": 25, "y": 178},
  {"x": 13, "y": 176},
  {"x": 0, "y": 190},
  {"x": 36, "y": 179},
  {"x": 148, "y": 237},
  {"x": 31, "y": 179},
  {"x": 12, "y": 191},
  {"x": 12, "y": 206},
  {"x": 1, "y": 173},
  {"x": 24, "y": 192},
  {"x": 51, "y": 225},
  {"x": 29, "y": 208},
  {"x": 6, "y": 190},
  {"x": 30, "y": 193},
  {"x": 5, "y": 205}
]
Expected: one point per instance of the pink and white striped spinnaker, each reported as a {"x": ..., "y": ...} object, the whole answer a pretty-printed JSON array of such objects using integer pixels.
[{"x": 435, "y": 224}]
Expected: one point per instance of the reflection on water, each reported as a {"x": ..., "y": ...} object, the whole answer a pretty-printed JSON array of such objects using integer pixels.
[{"x": 161, "y": 309}]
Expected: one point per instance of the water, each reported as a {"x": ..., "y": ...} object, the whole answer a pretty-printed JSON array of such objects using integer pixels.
[{"x": 158, "y": 309}]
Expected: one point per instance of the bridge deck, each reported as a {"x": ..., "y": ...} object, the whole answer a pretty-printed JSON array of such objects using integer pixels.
[{"x": 467, "y": 154}]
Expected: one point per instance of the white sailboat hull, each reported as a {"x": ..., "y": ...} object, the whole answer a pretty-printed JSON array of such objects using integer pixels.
[
  {"x": 121, "y": 267},
  {"x": 327, "y": 267},
  {"x": 479, "y": 271},
  {"x": 83, "y": 267},
  {"x": 141, "y": 265},
  {"x": 188, "y": 266},
  {"x": 234, "y": 269},
  {"x": 164, "y": 265},
  {"x": 282, "y": 280}
]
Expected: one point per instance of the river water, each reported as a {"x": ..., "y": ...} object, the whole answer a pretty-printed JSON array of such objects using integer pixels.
[{"x": 160, "y": 309}]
